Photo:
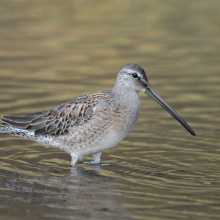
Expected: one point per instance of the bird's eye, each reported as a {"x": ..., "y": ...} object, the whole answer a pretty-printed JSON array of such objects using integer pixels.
[{"x": 135, "y": 75}]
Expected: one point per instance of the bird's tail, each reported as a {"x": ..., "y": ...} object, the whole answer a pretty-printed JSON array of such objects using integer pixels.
[
  {"x": 14, "y": 131},
  {"x": 12, "y": 125},
  {"x": 6, "y": 129}
]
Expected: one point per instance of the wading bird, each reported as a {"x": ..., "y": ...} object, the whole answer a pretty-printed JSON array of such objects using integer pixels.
[{"x": 93, "y": 123}]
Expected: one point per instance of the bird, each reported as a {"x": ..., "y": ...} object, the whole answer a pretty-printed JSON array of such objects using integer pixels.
[{"x": 92, "y": 123}]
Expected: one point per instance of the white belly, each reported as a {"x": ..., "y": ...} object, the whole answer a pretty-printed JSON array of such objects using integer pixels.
[{"x": 105, "y": 142}]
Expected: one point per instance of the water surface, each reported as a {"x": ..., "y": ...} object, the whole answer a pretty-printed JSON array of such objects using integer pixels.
[{"x": 54, "y": 51}]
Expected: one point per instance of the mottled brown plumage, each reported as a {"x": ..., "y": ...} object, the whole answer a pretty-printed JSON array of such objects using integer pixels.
[{"x": 58, "y": 120}]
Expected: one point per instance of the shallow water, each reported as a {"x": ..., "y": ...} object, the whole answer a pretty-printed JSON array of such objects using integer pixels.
[{"x": 54, "y": 51}]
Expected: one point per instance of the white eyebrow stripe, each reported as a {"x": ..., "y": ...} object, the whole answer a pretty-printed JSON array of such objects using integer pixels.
[{"x": 130, "y": 71}]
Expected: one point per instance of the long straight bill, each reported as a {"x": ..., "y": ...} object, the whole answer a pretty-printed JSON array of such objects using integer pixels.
[{"x": 161, "y": 102}]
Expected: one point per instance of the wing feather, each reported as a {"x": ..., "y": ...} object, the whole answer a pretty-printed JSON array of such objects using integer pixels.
[{"x": 58, "y": 120}]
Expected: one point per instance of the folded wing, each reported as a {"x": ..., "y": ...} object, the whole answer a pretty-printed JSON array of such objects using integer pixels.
[{"x": 56, "y": 121}]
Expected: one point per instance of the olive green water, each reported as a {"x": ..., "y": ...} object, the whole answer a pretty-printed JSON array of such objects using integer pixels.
[{"x": 52, "y": 51}]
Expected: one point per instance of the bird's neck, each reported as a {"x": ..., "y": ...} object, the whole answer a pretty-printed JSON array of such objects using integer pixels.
[
  {"x": 125, "y": 95},
  {"x": 129, "y": 100}
]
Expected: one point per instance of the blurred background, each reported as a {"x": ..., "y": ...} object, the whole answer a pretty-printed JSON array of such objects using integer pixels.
[{"x": 52, "y": 51}]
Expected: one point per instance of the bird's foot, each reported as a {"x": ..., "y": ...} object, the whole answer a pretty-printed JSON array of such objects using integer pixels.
[
  {"x": 92, "y": 162},
  {"x": 95, "y": 163}
]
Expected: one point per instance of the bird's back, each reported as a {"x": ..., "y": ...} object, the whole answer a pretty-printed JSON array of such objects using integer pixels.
[{"x": 60, "y": 119}]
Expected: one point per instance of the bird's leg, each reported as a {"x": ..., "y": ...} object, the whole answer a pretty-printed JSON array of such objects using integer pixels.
[
  {"x": 74, "y": 160},
  {"x": 96, "y": 157},
  {"x": 81, "y": 159}
]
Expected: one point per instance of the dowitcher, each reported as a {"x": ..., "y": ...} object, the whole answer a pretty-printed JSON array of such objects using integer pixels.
[{"x": 93, "y": 123}]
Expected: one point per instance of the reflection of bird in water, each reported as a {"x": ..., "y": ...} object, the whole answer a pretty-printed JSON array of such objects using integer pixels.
[
  {"x": 76, "y": 194},
  {"x": 81, "y": 171},
  {"x": 93, "y": 123}
]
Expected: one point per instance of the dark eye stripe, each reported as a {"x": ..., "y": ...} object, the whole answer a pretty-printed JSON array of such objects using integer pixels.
[{"x": 135, "y": 75}]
